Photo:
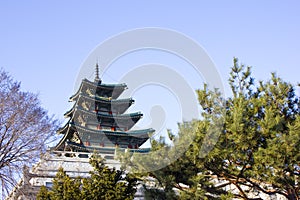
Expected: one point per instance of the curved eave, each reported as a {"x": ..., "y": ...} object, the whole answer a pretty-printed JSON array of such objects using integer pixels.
[
  {"x": 136, "y": 132},
  {"x": 74, "y": 96},
  {"x": 64, "y": 138},
  {"x": 127, "y": 102},
  {"x": 121, "y": 116},
  {"x": 111, "y": 116},
  {"x": 144, "y": 133},
  {"x": 141, "y": 150},
  {"x": 107, "y": 100},
  {"x": 64, "y": 128},
  {"x": 104, "y": 85},
  {"x": 69, "y": 113}
]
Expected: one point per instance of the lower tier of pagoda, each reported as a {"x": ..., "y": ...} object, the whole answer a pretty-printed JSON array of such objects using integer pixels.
[
  {"x": 91, "y": 138},
  {"x": 108, "y": 153}
]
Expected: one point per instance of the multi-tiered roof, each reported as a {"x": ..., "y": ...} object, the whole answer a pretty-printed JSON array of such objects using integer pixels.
[{"x": 97, "y": 121}]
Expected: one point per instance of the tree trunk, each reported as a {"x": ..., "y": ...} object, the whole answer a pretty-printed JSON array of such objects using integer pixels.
[{"x": 291, "y": 194}]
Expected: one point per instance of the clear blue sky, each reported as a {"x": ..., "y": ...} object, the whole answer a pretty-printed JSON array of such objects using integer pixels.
[{"x": 43, "y": 43}]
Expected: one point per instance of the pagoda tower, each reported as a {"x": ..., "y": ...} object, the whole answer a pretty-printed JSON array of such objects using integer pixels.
[{"x": 97, "y": 122}]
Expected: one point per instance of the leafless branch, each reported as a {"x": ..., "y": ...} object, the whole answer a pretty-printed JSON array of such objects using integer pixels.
[{"x": 25, "y": 130}]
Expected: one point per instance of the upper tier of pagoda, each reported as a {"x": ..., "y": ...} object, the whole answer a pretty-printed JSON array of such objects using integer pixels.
[
  {"x": 97, "y": 120},
  {"x": 98, "y": 89},
  {"x": 92, "y": 102}
]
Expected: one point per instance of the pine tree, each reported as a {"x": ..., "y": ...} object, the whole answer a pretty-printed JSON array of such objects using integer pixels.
[
  {"x": 104, "y": 183},
  {"x": 65, "y": 187},
  {"x": 261, "y": 140},
  {"x": 249, "y": 141},
  {"x": 43, "y": 194}
]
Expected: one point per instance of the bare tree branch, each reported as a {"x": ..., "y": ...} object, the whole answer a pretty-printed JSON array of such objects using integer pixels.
[{"x": 25, "y": 130}]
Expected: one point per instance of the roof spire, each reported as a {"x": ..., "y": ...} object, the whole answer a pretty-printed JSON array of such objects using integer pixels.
[{"x": 97, "y": 79}]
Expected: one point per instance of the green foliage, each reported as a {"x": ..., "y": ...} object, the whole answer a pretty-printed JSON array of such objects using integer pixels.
[
  {"x": 107, "y": 183},
  {"x": 104, "y": 183},
  {"x": 64, "y": 188},
  {"x": 43, "y": 194},
  {"x": 249, "y": 141}
]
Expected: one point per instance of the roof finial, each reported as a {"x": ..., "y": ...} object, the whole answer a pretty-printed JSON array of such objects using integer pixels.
[{"x": 97, "y": 79}]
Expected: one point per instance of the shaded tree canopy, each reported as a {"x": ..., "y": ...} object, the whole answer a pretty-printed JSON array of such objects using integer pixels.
[
  {"x": 104, "y": 183},
  {"x": 63, "y": 187},
  {"x": 25, "y": 130},
  {"x": 256, "y": 151}
]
